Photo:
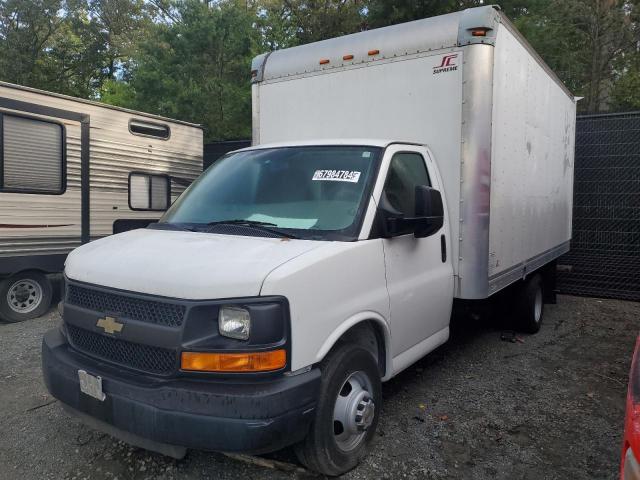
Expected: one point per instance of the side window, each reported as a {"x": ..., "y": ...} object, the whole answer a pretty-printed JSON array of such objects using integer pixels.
[
  {"x": 406, "y": 172},
  {"x": 149, "y": 129},
  {"x": 31, "y": 155},
  {"x": 149, "y": 192}
]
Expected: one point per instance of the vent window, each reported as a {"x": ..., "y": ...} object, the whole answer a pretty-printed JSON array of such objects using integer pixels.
[
  {"x": 149, "y": 129},
  {"x": 149, "y": 192},
  {"x": 31, "y": 155}
]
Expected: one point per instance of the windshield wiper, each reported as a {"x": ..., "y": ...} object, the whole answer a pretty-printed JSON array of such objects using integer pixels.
[
  {"x": 171, "y": 226},
  {"x": 264, "y": 226}
]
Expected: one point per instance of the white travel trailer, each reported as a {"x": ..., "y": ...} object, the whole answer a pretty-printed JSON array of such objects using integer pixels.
[
  {"x": 72, "y": 171},
  {"x": 393, "y": 173}
]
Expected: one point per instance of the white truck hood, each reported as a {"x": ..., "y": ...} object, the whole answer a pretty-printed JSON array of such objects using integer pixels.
[{"x": 187, "y": 265}]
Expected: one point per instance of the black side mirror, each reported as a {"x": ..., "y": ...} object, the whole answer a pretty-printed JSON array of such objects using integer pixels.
[
  {"x": 428, "y": 220},
  {"x": 429, "y": 211}
]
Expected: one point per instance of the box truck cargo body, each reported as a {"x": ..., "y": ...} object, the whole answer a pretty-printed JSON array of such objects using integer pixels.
[
  {"x": 73, "y": 170},
  {"x": 394, "y": 173},
  {"x": 500, "y": 125}
]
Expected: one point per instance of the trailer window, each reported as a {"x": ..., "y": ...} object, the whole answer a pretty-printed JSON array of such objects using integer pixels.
[
  {"x": 406, "y": 172},
  {"x": 149, "y": 192},
  {"x": 31, "y": 155},
  {"x": 149, "y": 129}
]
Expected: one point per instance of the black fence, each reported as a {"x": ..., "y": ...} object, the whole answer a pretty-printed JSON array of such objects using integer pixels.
[
  {"x": 213, "y": 151},
  {"x": 604, "y": 260}
]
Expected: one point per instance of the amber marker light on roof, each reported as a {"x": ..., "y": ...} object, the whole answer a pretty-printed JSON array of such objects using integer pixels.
[
  {"x": 233, "y": 362},
  {"x": 479, "y": 32},
  {"x": 347, "y": 57},
  {"x": 373, "y": 52},
  {"x": 324, "y": 61}
]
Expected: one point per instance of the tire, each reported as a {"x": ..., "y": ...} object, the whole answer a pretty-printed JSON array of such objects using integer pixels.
[
  {"x": 25, "y": 296},
  {"x": 350, "y": 391},
  {"x": 530, "y": 305}
]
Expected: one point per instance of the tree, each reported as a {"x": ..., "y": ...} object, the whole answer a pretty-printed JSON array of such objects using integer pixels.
[
  {"x": 68, "y": 46},
  {"x": 196, "y": 68},
  {"x": 389, "y": 12},
  {"x": 27, "y": 28},
  {"x": 625, "y": 93},
  {"x": 286, "y": 23},
  {"x": 583, "y": 40}
]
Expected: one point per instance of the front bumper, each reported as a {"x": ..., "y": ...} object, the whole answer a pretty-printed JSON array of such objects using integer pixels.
[{"x": 207, "y": 414}]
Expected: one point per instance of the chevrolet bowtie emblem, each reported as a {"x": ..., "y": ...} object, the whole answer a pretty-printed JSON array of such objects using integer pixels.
[{"x": 110, "y": 325}]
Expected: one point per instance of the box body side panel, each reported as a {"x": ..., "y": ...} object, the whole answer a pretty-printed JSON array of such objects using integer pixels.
[
  {"x": 531, "y": 164},
  {"x": 408, "y": 100}
]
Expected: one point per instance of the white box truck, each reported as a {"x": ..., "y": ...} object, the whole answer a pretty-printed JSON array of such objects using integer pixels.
[
  {"x": 393, "y": 173},
  {"x": 74, "y": 170}
]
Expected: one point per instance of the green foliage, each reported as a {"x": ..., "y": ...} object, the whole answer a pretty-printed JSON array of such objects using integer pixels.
[
  {"x": 197, "y": 68},
  {"x": 68, "y": 46},
  {"x": 190, "y": 59},
  {"x": 625, "y": 94},
  {"x": 385, "y": 12},
  {"x": 582, "y": 40},
  {"x": 27, "y": 29}
]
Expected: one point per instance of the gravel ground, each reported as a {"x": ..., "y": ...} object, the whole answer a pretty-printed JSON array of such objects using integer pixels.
[{"x": 549, "y": 407}]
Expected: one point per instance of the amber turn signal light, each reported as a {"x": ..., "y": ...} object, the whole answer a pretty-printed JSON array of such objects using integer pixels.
[{"x": 233, "y": 362}]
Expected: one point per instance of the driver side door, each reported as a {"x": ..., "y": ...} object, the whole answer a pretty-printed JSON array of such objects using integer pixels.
[{"x": 419, "y": 272}]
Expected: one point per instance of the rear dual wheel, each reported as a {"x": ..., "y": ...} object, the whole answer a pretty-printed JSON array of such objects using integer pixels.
[
  {"x": 347, "y": 413},
  {"x": 530, "y": 305},
  {"x": 24, "y": 296}
]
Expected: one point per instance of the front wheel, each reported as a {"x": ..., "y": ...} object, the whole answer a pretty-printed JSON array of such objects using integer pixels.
[
  {"x": 347, "y": 413},
  {"x": 25, "y": 296}
]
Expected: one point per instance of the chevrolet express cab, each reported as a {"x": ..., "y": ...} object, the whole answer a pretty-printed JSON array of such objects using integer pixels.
[{"x": 394, "y": 172}]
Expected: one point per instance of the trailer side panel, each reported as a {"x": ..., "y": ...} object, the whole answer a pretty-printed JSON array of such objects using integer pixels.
[{"x": 50, "y": 225}]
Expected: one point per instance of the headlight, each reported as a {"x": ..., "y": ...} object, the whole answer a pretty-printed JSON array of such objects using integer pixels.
[{"x": 234, "y": 322}]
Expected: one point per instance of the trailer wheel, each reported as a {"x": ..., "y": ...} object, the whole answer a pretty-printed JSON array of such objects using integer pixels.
[
  {"x": 25, "y": 296},
  {"x": 530, "y": 305},
  {"x": 347, "y": 412}
]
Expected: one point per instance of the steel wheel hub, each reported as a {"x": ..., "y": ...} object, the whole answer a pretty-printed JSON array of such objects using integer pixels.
[
  {"x": 24, "y": 296},
  {"x": 354, "y": 411}
]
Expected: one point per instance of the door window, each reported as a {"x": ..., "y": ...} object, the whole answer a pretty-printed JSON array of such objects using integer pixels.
[{"x": 406, "y": 171}]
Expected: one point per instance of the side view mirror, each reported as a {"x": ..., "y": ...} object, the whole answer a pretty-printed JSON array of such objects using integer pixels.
[
  {"x": 430, "y": 210},
  {"x": 428, "y": 220}
]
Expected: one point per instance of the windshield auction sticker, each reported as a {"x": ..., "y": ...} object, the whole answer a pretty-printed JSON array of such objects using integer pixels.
[{"x": 337, "y": 176}]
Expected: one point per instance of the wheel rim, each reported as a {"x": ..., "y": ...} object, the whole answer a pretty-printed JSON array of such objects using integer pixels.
[
  {"x": 538, "y": 306},
  {"x": 24, "y": 296},
  {"x": 354, "y": 411}
]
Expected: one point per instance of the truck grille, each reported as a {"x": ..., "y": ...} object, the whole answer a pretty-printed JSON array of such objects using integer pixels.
[
  {"x": 134, "y": 355},
  {"x": 150, "y": 311}
]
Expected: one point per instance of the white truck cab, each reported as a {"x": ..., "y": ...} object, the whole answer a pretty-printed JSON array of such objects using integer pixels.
[{"x": 293, "y": 277}]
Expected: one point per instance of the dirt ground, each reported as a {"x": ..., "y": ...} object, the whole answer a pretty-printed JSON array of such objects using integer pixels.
[{"x": 549, "y": 407}]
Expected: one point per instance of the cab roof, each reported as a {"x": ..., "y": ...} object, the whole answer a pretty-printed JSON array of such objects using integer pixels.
[{"x": 364, "y": 142}]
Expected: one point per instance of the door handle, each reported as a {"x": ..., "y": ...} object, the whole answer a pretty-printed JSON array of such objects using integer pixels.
[{"x": 443, "y": 248}]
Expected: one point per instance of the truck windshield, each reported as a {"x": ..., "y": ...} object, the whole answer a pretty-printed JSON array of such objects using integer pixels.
[{"x": 315, "y": 192}]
